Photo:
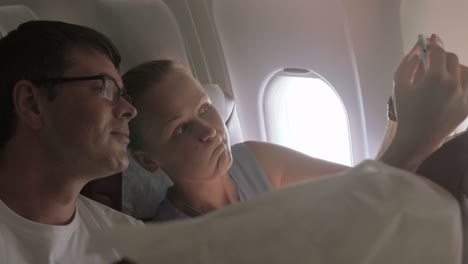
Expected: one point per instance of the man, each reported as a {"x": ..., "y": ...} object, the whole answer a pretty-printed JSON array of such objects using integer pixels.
[{"x": 65, "y": 123}]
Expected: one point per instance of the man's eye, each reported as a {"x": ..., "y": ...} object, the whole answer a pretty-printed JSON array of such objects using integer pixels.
[
  {"x": 180, "y": 129},
  {"x": 100, "y": 89},
  {"x": 107, "y": 92}
]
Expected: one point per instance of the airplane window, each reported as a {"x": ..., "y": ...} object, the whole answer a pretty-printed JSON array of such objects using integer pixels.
[{"x": 306, "y": 114}]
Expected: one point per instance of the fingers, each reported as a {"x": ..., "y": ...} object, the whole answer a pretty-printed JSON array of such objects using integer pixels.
[
  {"x": 405, "y": 59},
  {"x": 437, "y": 58},
  {"x": 453, "y": 65},
  {"x": 439, "y": 63},
  {"x": 406, "y": 72},
  {"x": 463, "y": 76},
  {"x": 408, "y": 66},
  {"x": 464, "y": 79},
  {"x": 435, "y": 39},
  {"x": 420, "y": 72}
]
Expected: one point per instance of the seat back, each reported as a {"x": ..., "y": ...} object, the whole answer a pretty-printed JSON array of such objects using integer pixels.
[
  {"x": 448, "y": 167},
  {"x": 13, "y": 16},
  {"x": 107, "y": 191}
]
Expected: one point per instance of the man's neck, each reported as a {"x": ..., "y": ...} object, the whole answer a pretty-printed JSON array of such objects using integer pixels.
[{"x": 33, "y": 188}]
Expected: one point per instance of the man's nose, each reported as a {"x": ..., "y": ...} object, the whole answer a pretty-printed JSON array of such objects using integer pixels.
[{"x": 124, "y": 110}]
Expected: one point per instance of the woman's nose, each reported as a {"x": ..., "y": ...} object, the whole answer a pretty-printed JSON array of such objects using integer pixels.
[{"x": 207, "y": 132}]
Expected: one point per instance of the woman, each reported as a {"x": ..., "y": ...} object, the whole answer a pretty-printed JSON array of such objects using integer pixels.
[{"x": 179, "y": 131}]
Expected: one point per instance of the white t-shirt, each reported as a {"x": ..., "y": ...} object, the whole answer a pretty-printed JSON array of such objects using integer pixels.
[
  {"x": 370, "y": 214},
  {"x": 25, "y": 241}
]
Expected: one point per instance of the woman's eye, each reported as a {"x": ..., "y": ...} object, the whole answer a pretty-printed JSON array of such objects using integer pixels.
[{"x": 204, "y": 108}]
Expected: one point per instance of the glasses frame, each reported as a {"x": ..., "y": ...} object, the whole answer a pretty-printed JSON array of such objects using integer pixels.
[{"x": 122, "y": 92}]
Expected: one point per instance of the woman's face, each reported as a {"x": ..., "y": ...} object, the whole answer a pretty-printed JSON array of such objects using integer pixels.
[{"x": 183, "y": 133}]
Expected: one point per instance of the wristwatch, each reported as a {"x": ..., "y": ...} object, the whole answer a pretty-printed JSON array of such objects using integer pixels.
[{"x": 391, "y": 110}]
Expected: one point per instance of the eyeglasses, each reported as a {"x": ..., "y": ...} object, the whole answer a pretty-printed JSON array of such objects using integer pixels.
[{"x": 109, "y": 88}]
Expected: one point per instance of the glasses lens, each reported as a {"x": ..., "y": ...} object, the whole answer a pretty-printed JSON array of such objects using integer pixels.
[{"x": 109, "y": 90}]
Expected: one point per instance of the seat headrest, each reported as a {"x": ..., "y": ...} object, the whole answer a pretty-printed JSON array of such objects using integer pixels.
[
  {"x": 13, "y": 16},
  {"x": 226, "y": 107},
  {"x": 218, "y": 99}
]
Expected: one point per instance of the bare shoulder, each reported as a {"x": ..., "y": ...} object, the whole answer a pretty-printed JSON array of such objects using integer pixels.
[
  {"x": 260, "y": 147},
  {"x": 268, "y": 154},
  {"x": 286, "y": 166}
]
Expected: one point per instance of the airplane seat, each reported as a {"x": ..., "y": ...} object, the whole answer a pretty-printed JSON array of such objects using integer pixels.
[
  {"x": 13, "y": 16},
  {"x": 107, "y": 191},
  {"x": 448, "y": 167}
]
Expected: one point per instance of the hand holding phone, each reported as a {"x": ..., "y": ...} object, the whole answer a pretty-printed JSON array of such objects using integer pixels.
[
  {"x": 422, "y": 45},
  {"x": 433, "y": 101}
]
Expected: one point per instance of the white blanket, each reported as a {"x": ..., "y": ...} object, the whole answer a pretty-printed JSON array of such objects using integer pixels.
[{"x": 372, "y": 213}]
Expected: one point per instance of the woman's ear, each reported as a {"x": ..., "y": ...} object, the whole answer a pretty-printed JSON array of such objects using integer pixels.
[
  {"x": 26, "y": 100},
  {"x": 141, "y": 158}
]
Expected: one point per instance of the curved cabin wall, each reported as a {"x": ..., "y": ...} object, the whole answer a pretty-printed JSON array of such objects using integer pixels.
[{"x": 448, "y": 19}]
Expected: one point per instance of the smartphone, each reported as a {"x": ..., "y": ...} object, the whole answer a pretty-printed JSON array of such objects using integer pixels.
[{"x": 423, "y": 47}]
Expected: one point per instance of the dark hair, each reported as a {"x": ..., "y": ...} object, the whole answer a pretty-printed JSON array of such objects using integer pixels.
[
  {"x": 137, "y": 80},
  {"x": 39, "y": 50}
]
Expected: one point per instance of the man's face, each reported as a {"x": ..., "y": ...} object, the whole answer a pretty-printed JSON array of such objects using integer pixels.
[{"x": 83, "y": 131}]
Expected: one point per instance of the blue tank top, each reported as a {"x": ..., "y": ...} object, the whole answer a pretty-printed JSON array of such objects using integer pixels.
[{"x": 247, "y": 174}]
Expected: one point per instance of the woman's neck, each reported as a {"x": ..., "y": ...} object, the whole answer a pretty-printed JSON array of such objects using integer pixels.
[{"x": 197, "y": 198}]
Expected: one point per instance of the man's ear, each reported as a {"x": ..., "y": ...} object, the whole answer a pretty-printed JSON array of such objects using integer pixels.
[
  {"x": 141, "y": 158},
  {"x": 26, "y": 102}
]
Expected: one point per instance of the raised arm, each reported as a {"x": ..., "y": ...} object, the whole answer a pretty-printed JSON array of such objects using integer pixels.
[
  {"x": 285, "y": 166},
  {"x": 429, "y": 106}
]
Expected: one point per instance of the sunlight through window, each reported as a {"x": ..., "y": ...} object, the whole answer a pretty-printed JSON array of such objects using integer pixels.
[{"x": 307, "y": 115}]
